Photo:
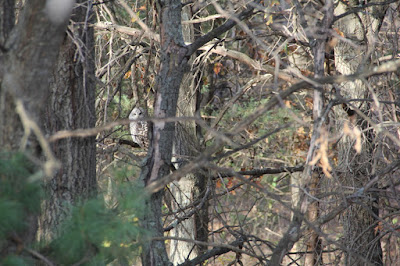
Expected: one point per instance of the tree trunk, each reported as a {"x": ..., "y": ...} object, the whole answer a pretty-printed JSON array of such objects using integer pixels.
[
  {"x": 359, "y": 220},
  {"x": 174, "y": 61},
  {"x": 28, "y": 53},
  {"x": 71, "y": 106},
  {"x": 184, "y": 191},
  {"x": 311, "y": 176},
  {"x": 7, "y": 19},
  {"x": 192, "y": 186},
  {"x": 157, "y": 165}
]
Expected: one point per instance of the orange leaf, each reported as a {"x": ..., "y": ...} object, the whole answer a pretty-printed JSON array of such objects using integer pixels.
[
  {"x": 309, "y": 102},
  {"x": 217, "y": 68},
  {"x": 230, "y": 183},
  {"x": 128, "y": 74},
  {"x": 218, "y": 184},
  {"x": 377, "y": 228},
  {"x": 301, "y": 131},
  {"x": 340, "y": 33}
]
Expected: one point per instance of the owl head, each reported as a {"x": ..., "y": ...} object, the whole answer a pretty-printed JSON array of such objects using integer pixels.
[{"x": 137, "y": 113}]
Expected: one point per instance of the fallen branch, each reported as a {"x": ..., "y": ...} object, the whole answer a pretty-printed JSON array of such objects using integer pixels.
[{"x": 266, "y": 171}]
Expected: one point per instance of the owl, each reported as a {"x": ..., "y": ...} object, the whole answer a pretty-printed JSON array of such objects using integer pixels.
[{"x": 139, "y": 128}]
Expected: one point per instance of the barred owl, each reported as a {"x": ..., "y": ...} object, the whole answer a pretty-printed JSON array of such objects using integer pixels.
[{"x": 139, "y": 128}]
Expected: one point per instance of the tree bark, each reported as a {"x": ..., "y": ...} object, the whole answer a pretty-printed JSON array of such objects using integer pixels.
[
  {"x": 193, "y": 185},
  {"x": 28, "y": 53},
  {"x": 28, "y": 56},
  {"x": 189, "y": 188},
  {"x": 7, "y": 20},
  {"x": 173, "y": 65},
  {"x": 317, "y": 37},
  {"x": 71, "y": 106},
  {"x": 358, "y": 222}
]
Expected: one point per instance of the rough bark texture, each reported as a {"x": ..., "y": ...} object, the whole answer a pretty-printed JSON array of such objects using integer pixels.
[
  {"x": 173, "y": 66},
  {"x": 71, "y": 106},
  {"x": 187, "y": 190},
  {"x": 27, "y": 55},
  {"x": 317, "y": 34},
  {"x": 314, "y": 245},
  {"x": 192, "y": 186},
  {"x": 29, "y": 52},
  {"x": 7, "y": 21},
  {"x": 32, "y": 48},
  {"x": 174, "y": 58},
  {"x": 359, "y": 220}
]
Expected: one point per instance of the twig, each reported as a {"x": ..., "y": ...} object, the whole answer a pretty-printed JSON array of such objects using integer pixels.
[
  {"x": 52, "y": 164},
  {"x": 39, "y": 256},
  {"x": 36, "y": 254},
  {"x": 136, "y": 18},
  {"x": 266, "y": 171},
  {"x": 196, "y": 208},
  {"x": 87, "y": 132},
  {"x": 228, "y": 247}
]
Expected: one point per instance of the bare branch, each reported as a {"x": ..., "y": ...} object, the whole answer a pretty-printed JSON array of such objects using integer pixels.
[
  {"x": 52, "y": 164},
  {"x": 226, "y": 247},
  {"x": 192, "y": 48}
]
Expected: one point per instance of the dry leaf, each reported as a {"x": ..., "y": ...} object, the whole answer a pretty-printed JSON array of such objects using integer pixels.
[
  {"x": 321, "y": 154},
  {"x": 218, "y": 184},
  {"x": 128, "y": 74},
  {"x": 269, "y": 21},
  {"x": 230, "y": 182},
  {"x": 309, "y": 102},
  {"x": 354, "y": 133},
  {"x": 301, "y": 131},
  {"x": 378, "y": 228},
  {"x": 357, "y": 134},
  {"x": 217, "y": 68}
]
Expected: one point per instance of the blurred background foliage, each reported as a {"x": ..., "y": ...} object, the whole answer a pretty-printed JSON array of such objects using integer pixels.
[{"x": 92, "y": 235}]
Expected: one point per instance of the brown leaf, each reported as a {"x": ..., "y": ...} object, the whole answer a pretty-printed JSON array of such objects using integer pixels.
[{"x": 217, "y": 68}]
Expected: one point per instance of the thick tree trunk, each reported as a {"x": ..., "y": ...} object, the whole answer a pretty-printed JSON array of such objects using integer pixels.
[
  {"x": 174, "y": 58},
  {"x": 192, "y": 186},
  {"x": 7, "y": 19},
  {"x": 157, "y": 165},
  {"x": 71, "y": 106},
  {"x": 28, "y": 54},
  {"x": 359, "y": 220},
  {"x": 189, "y": 188}
]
